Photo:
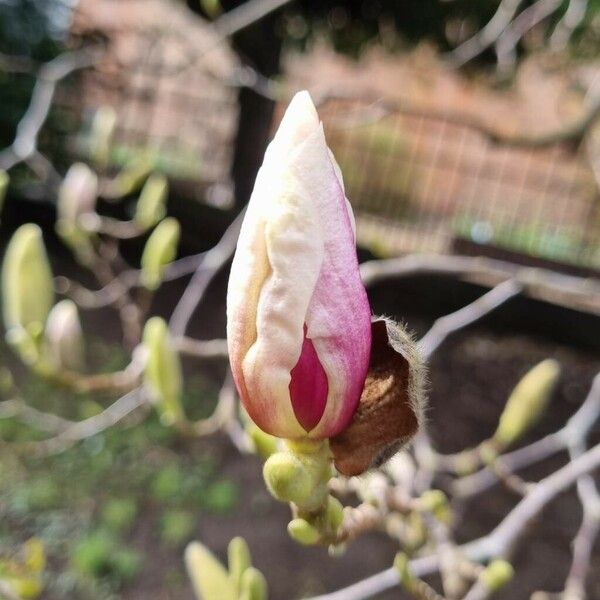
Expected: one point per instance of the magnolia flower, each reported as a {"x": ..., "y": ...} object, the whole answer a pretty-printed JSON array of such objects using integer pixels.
[
  {"x": 64, "y": 337},
  {"x": 298, "y": 318}
]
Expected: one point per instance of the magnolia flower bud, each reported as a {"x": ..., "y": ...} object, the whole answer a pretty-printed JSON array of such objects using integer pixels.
[
  {"x": 76, "y": 198},
  {"x": 163, "y": 371},
  {"x": 150, "y": 207},
  {"x": 131, "y": 178},
  {"x": 101, "y": 135},
  {"x": 63, "y": 336},
  {"x": 27, "y": 287},
  {"x": 527, "y": 402},
  {"x": 298, "y": 318},
  {"x": 210, "y": 579},
  {"x": 159, "y": 251}
]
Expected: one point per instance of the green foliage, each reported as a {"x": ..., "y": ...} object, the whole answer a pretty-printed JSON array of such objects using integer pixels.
[
  {"x": 177, "y": 527},
  {"x": 99, "y": 554},
  {"x": 220, "y": 497},
  {"x": 119, "y": 514}
]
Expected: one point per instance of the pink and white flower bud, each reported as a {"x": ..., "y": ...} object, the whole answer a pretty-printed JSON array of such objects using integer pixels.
[{"x": 298, "y": 317}]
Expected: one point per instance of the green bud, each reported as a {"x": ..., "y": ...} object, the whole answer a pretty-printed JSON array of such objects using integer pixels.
[
  {"x": 497, "y": 574},
  {"x": 150, "y": 208},
  {"x": 131, "y": 178},
  {"x": 287, "y": 478},
  {"x": 254, "y": 585},
  {"x": 163, "y": 371},
  {"x": 210, "y": 579},
  {"x": 27, "y": 286},
  {"x": 335, "y": 513},
  {"x": 264, "y": 443},
  {"x": 303, "y": 532},
  {"x": 63, "y": 337},
  {"x": 527, "y": 402},
  {"x": 4, "y": 181},
  {"x": 401, "y": 564},
  {"x": 160, "y": 250},
  {"x": 101, "y": 135},
  {"x": 239, "y": 559}
]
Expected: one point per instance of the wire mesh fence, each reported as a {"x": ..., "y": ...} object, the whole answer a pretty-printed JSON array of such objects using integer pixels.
[{"x": 422, "y": 182}]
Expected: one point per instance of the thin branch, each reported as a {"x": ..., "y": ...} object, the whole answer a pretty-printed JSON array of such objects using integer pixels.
[
  {"x": 94, "y": 425},
  {"x": 444, "y": 326},
  {"x": 499, "y": 542},
  {"x": 49, "y": 75},
  {"x": 216, "y": 348},
  {"x": 214, "y": 260},
  {"x": 570, "y": 21},
  {"x": 487, "y": 36},
  {"x": 18, "y": 409},
  {"x": 543, "y": 284},
  {"x": 507, "y": 42}
]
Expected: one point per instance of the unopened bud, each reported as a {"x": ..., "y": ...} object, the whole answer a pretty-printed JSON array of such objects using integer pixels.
[
  {"x": 27, "y": 287},
  {"x": 239, "y": 560},
  {"x": 254, "y": 585},
  {"x": 496, "y": 575},
  {"x": 334, "y": 514},
  {"x": 131, "y": 178},
  {"x": 163, "y": 371},
  {"x": 160, "y": 251},
  {"x": 63, "y": 337},
  {"x": 527, "y": 402},
  {"x": 4, "y": 181},
  {"x": 210, "y": 579},
  {"x": 150, "y": 208},
  {"x": 101, "y": 135},
  {"x": 264, "y": 443},
  {"x": 76, "y": 198},
  {"x": 303, "y": 532},
  {"x": 287, "y": 478},
  {"x": 401, "y": 564}
]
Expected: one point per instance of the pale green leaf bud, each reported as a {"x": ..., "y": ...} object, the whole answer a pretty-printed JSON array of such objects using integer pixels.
[
  {"x": 27, "y": 286},
  {"x": 303, "y": 532},
  {"x": 131, "y": 178},
  {"x": 150, "y": 207},
  {"x": 4, "y": 181},
  {"x": 101, "y": 135},
  {"x": 159, "y": 252},
  {"x": 239, "y": 559},
  {"x": 401, "y": 564},
  {"x": 497, "y": 574},
  {"x": 335, "y": 513},
  {"x": 76, "y": 197},
  {"x": 527, "y": 402},
  {"x": 210, "y": 579},
  {"x": 163, "y": 375},
  {"x": 264, "y": 443},
  {"x": 64, "y": 345},
  {"x": 254, "y": 585},
  {"x": 287, "y": 478}
]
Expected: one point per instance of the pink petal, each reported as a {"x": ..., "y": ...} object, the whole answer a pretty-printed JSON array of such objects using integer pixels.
[{"x": 308, "y": 386}]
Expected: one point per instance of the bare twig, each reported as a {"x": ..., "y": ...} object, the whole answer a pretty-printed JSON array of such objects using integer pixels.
[
  {"x": 487, "y": 36},
  {"x": 507, "y": 42},
  {"x": 556, "y": 288},
  {"x": 216, "y": 348},
  {"x": 564, "y": 29},
  {"x": 444, "y": 326},
  {"x": 499, "y": 542},
  {"x": 18, "y": 409},
  {"x": 89, "y": 427},
  {"x": 214, "y": 260},
  {"x": 24, "y": 145}
]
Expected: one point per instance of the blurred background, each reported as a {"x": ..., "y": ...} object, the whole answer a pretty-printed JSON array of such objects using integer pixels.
[{"x": 462, "y": 128}]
